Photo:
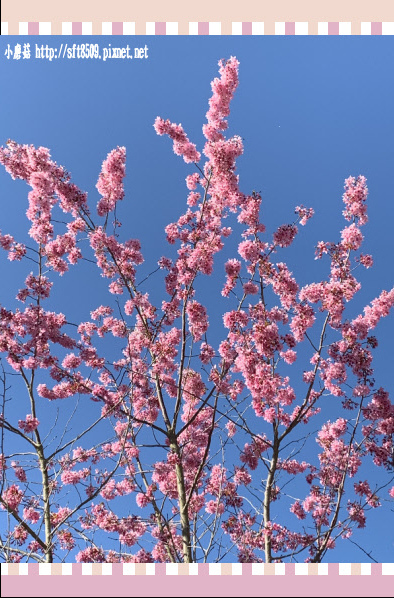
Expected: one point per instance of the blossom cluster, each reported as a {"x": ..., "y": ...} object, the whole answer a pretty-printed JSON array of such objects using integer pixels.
[{"x": 193, "y": 427}]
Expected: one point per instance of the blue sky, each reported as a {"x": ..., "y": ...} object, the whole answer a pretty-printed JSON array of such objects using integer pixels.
[{"x": 311, "y": 111}]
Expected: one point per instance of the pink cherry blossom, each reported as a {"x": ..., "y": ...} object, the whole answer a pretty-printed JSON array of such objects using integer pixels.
[
  {"x": 110, "y": 183},
  {"x": 182, "y": 408},
  {"x": 181, "y": 144},
  {"x": 29, "y": 424},
  {"x": 12, "y": 497},
  {"x": 285, "y": 234}
]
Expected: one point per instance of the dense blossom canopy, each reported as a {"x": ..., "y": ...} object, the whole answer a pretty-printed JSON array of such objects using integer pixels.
[{"x": 206, "y": 433}]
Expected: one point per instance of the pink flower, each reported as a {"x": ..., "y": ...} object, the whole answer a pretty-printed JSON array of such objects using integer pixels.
[
  {"x": 181, "y": 144},
  {"x": 354, "y": 198},
  {"x": 285, "y": 234},
  {"x": 19, "y": 472},
  {"x": 289, "y": 356},
  {"x": 19, "y": 535},
  {"x": 213, "y": 507},
  {"x": 206, "y": 353},
  {"x": 198, "y": 320},
  {"x": 201, "y": 394},
  {"x": 331, "y": 431},
  {"x": 30, "y": 514},
  {"x": 219, "y": 105},
  {"x": 242, "y": 477},
  {"x": 60, "y": 516},
  {"x": 304, "y": 214},
  {"x": 142, "y": 500},
  {"x": 16, "y": 251},
  {"x": 233, "y": 318},
  {"x": 12, "y": 496},
  {"x": 74, "y": 477},
  {"x": 29, "y": 424},
  {"x": 102, "y": 311},
  {"x": 110, "y": 182},
  {"x": 71, "y": 361},
  {"x": 233, "y": 268},
  {"x": 298, "y": 510},
  {"x": 366, "y": 260},
  {"x": 109, "y": 491},
  {"x": 6, "y": 241},
  {"x": 91, "y": 555},
  {"x": 352, "y": 237},
  {"x": 250, "y": 288},
  {"x": 193, "y": 199},
  {"x": 252, "y": 452},
  {"x": 249, "y": 251},
  {"x": 66, "y": 540},
  {"x": 231, "y": 429},
  {"x": 192, "y": 181},
  {"x": 356, "y": 514}
]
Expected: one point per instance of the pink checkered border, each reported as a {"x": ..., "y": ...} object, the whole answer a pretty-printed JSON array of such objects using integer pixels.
[
  {"x": 201, "y": 28},
  {"x": 213, "y": 569}
]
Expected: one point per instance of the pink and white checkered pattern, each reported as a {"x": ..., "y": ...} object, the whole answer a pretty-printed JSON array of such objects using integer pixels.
[
  {"x": 291, "y": 28},
  {"x": 162, "y": 28},
  {"x": 247, "y": 28},
  {"x": 205, "y": 28},
  {"x": 201, "y": 28},
  {"x": 377, "y": 28},
  {"x": 212, "y": 569},
  {"x": 31, "y": 28},
  {"x": 77, "y": 28},
  {"x": 334, "y": 28},
  {"x": 115, "y": 28}
]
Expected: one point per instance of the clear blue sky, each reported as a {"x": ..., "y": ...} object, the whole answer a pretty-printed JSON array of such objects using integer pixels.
[{"x": 311, "y": 111}]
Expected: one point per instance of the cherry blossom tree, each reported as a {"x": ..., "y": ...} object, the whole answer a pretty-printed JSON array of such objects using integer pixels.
[{"x": 201, "y": 441}]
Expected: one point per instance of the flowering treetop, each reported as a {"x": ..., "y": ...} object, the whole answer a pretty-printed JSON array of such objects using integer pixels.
[{"x": 207, "y": 432}]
